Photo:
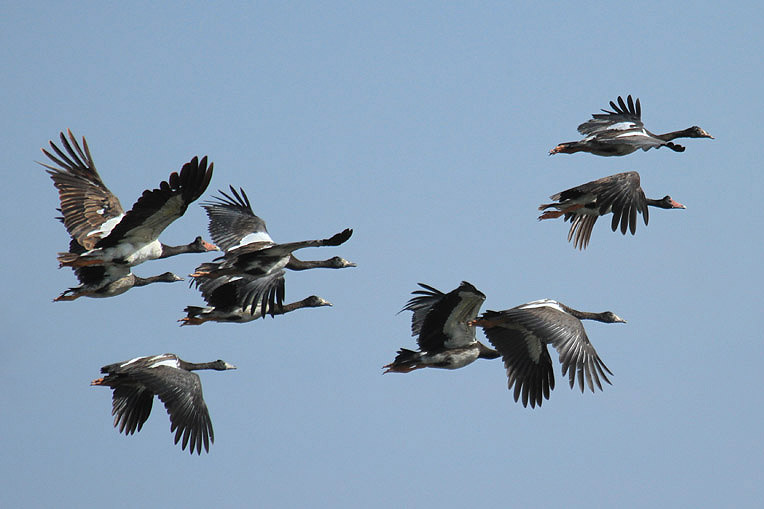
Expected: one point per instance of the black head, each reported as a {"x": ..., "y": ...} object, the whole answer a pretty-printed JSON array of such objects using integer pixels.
[
  {"x": 668, "y": 203},
  {"x": 314, "y": 301},
  {"x": 697, "y": 132},
  {"x": 169, "y": 277},
  {"x": 610, "y": 317},
  {"x": 221, "y": 365},
  {"x": 199, "y": 245},
  {"x": 336, "y": 262}
]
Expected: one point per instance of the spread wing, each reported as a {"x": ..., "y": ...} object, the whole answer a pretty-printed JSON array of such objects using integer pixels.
[
  {"x": 445, "y": 323},
  {"x": 131, "y": 406},
  {"x": 421, "y": 305},
  {"x": 526, "y": 358},
  {"x": 232, "y": 221},
  {"x": 626, "y": 116},
  {"x": 156, "y": 209},
  {"x": 625, "y": 198},
  {"x": 566, "y": 333},
  {"x": 183, "y": 399},
  {"x": 89, "y": 209}
]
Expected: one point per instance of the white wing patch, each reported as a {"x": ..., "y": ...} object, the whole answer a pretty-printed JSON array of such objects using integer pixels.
[
  {"x": 253, "y": 237},
  {"x": 130, "y": 362},
  {"x": 641, "y": 133},
  {"x": 543, "y": 303},
  {"x": 171, "y": 363},
  {"x": 106, "y": 227},
  {"x": 622, "y": 126}
]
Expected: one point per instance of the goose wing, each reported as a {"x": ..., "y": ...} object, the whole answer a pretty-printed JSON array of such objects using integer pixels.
[
  {"x": 181, "y": 393},
  {"x": 551, "y": 324},
  {"x": 156, "y": 209},
  {"x": 240, "y": 291},
  {"x": 445, "y": 323},
  {"x": 623, "y": 195},
  {"x": 265, "y": 292},
  {"x": 581, "y": 226},
  {"x": 525, "y": 355},
  {"x": 625, "y": 116},
  {"x": 131, "y": 406},
  {"x": 232, "y": 221},
  {"x": 421, "y": 305},
  {"x": 224, "y": 291},
  {"x": 89, "y": 209}
]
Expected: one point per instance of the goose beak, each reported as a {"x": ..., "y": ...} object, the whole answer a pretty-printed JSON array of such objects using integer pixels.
[
  {"x": 229, "y": 366},
  {"x": 618, "y": 319},
  {"x": 676, "y": 205},
  {"x": 210, "y": 247}
]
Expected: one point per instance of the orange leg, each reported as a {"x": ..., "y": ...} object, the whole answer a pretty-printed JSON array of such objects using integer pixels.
[
  {"x": 81, "y": 262},
  {"x": 550, "y": 214},
  {"x": 188, "y": 320}
]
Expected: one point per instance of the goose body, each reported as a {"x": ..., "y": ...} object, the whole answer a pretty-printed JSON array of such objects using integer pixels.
[
  {"x": 101, "y": 281},
  {"x": 135, "y": 383},
  {"x": 621, "y": 131},
  {"x": 223, "y": 296},
  {"x": 251, "y": 253},
  {"x": 521, "y": 336},
  {"x": 619, "y": 194},
  {"x": 440, "y": 322},
  {"x": 102, "y": 231}
]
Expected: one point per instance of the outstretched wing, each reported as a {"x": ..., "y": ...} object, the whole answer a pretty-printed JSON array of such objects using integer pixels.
[
  {"x": 625, "y": 198},
  {"x": 421, "y": 305},
  {"x": 445, "y": 323},
  {"x": 184, "y": 401},
  {"x": 232, "y": 222},
  {"x": 626, "y": 116},
  {"x": 131, "y": 406},
  {"x": 526, "y": 358},
  {"x": 156, "y": 209},
  {"x": 89, "y": 209},
  {"x": 566, "y": 333}
]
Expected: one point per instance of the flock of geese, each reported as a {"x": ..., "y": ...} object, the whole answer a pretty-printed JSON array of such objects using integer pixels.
[{"x": 247, "y": 281}]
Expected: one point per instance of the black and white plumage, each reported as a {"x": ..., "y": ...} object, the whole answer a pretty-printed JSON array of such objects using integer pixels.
[
  {"x": 251, "y": 253},
  {"x": 621, "y": 131},
  {"x": 135, "y": 382},
  {"x": 223, "y": 297},
  {"x": 521, "y": 334},
  {"x": 101, "y": 230},
  {"x": 440, "y": 322},
  {"x": 619, "y": 194}
]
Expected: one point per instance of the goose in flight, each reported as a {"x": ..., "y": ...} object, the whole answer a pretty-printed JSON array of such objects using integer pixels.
[
  {"x": 250, "y": 251},
  {"x": 101, "y": 230},
  {"x": 620, "y": 132},
  {"x": 135, "y": 383},
  {"x": 440, "y": 322},
  {"x": 619, "y": 194},
  {"x": 223, "y": 297},
  {"x": 521, "y": 336}
]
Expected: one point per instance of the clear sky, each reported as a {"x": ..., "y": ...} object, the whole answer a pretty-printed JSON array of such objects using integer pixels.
[{"x": 425, "y": 127}]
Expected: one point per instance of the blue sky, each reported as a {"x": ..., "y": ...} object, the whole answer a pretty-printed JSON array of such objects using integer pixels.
[{"x": 425, "y": 127}]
